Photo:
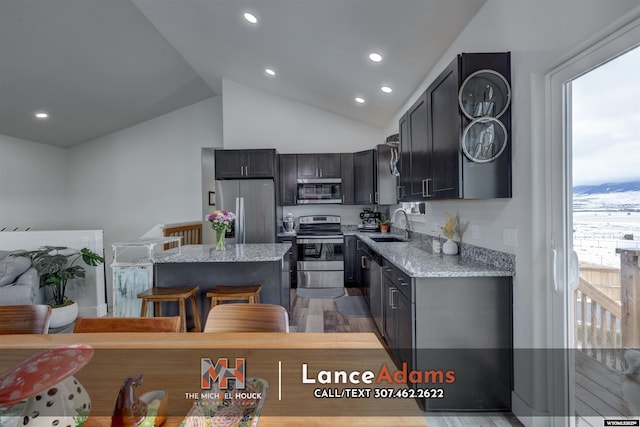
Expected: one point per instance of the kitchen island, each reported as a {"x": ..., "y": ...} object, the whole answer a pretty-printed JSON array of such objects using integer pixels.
[{"x": 240, "y": 264}]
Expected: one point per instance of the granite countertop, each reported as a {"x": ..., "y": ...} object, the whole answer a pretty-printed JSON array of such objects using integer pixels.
[
  {"x": 248, "y": 252},
  {"x": 416, "y": 260}
]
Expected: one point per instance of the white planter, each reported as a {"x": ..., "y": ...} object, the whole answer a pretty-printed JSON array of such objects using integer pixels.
[
  {"x": 62, "y": 316},
  {"x": 450, "y": 247}
]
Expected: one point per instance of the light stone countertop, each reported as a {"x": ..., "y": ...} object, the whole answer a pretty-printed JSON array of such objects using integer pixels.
[
  {"x": 416, "y": 261},
  {"x": 248, "y": 252}
]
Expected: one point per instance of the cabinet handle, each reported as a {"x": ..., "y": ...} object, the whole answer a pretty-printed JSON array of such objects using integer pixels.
[
  {"x": 370, "y": 198},
  {"x": 375, "y": 198},
  {"x": 402, "y": 282},
  {"x": 392, "y": 299},
  {"x": 398, "y": 192},
  {"x": 241, "y": 170},
  {"x": 388, "y": 269},
  {"x": 425, "y": 187},
  {"x": 358, "y": 244},
  {"x": 363, "y": 262},
  {"x": 321, "y": 172}
]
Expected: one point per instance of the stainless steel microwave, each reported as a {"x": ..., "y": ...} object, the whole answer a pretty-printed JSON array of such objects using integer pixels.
[{"x": 319, "y": 191}]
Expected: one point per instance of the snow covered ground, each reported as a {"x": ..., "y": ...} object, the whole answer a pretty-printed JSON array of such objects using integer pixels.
[{"x": 604, "y": 222}]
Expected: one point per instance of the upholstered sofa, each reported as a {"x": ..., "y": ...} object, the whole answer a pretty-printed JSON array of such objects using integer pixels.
[{"x": 19, "y": 281}]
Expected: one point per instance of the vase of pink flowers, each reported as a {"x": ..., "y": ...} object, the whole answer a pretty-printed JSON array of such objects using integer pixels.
[{"x": 221, "y": 221}]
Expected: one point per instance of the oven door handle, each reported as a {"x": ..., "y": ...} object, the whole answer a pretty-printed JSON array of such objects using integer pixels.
[{"x": 322, "y": 240}]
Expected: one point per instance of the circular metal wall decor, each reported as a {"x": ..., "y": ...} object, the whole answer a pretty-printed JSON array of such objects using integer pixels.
[
  {"x": 485, "y": 93},
  {"x": 484, "y": 139}
]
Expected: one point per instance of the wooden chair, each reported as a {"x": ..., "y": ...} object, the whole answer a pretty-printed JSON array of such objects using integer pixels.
[
  {"x": 179, "y": 294},
  {"x": 221, "y": 293},
  {"x": 24, "y": 319},
  {"x": 127, "y": 324},
  {"x": 247, "y": 318}
]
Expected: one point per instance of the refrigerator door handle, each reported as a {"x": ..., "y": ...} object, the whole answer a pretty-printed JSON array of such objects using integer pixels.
[{"x": 240, "y": 219}]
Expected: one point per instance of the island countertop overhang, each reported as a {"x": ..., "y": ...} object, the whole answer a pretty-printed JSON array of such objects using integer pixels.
[{"x": 246, "y": 252}]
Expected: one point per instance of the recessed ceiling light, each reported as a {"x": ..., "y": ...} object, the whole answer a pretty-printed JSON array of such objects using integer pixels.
[
  {"x": 386, "y": 89},
  {"x": 42, "y": 115},
  {"x": 359, "y": 100},
  {"x": 375, "y": 57},
  {"x": 250, "y": 17},
  {"x": 270, "y": 71}
]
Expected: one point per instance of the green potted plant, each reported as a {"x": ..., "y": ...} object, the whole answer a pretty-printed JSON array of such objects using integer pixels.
[
  {"x": 384, "y": 225},
  {"x": 56, "y": 266}
]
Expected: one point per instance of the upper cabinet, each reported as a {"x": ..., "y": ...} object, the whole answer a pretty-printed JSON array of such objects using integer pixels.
[
  {"x": 455, "y": 139},
  {"x": 312, "y": 166},
  {"x": 244, "y": 164},
  {"x": 287, "y": 179},
  {"x": 415, "y": 158},
  {"x": 364, "y": 177},
  {"x": 346, "y": 165}
]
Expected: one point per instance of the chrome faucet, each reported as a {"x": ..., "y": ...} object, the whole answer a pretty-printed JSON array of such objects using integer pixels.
[{"x": 407, "y": 226}]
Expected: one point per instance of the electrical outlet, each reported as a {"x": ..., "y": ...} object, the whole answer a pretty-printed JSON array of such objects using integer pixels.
[
  {"x": 510, "y": 237},
  {"x": 475, "y": 232}
]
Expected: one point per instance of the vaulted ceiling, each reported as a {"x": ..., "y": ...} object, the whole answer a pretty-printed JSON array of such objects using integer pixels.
[{"x": 99, "y": 66}]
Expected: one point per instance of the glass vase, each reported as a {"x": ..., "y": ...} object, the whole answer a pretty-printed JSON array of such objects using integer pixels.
[{"x": 220, "y": 244}]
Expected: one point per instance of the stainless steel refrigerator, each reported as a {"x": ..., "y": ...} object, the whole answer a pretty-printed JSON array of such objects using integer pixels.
[{"x": 254, "y": 203}]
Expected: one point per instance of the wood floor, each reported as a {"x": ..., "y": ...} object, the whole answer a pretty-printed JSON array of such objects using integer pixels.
[
  {"x": 598, "y": 391},
  {"x": 321, "y": 315}
]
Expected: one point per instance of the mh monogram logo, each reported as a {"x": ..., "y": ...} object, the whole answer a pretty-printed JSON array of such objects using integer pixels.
[{"x": 221, "y": 372}]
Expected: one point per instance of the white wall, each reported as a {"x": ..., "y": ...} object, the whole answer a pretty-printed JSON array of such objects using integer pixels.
[
  {"x": 128, "y": 181},
  {"x": 540, "y": 35},
  {"x": 33, "y": 185},
  {"x": 257, "y": 119}
]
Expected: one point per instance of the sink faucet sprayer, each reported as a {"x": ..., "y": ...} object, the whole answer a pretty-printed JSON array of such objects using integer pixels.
[{"x": 407, "y": 226}]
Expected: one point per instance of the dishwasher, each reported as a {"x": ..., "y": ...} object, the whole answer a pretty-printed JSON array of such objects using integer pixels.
[{"x": 372, "y": 276}]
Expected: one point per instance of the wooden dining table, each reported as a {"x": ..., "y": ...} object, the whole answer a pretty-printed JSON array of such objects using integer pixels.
[{"x": 299, "y": 368}]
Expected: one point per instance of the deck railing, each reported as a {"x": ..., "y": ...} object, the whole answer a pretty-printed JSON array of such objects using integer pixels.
[{"x": 598, "y": 325}]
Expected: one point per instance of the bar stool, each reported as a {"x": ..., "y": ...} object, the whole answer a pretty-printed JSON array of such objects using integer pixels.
[
  {"x": 158, "y": 295},
  {"x": 221, "y": 293}
]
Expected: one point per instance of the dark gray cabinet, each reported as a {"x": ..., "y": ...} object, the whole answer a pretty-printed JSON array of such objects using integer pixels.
[
  {"x": 415, "y": 161},
  {"x": 351, "y": 261},
  {"x": 443, "y": 137},
  {"x": 398, "y": 314},
  {"x": 287, "y": 179},
  {"x": 319, "y": 166},
  {"x": 364, "y": 177},
  {"x": 292, "y": 258},
  {"x": 346, "y": 166},
  {"x": 240, "y": 164},
  {"x": 451, "y": 153},
  {"x": 464, "y": 324}
]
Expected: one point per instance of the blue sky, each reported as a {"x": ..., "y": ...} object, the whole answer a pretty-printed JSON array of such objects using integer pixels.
[{"x": 606, "y": 122}]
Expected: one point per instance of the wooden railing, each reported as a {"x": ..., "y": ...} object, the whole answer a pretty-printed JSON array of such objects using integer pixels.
[
  {"x": 191, "y": 233},
  {"x": 597, "y": 325}
]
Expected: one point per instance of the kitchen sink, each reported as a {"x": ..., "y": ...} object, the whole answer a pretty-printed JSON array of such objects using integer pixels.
[{"x": 386, "y": 239}]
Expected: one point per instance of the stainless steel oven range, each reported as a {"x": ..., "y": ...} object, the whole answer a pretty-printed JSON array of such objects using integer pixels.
[{"x": 320, "y": 247}]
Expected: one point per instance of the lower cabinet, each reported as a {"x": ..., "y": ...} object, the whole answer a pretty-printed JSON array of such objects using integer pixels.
[
  {"x": 351, "y": 261},
  {"x": 398, "y": 314},
  {"x": 292, "y": 258},
  {"x": 463, "y": 326},
  {"x": 456, "y": 331}
]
